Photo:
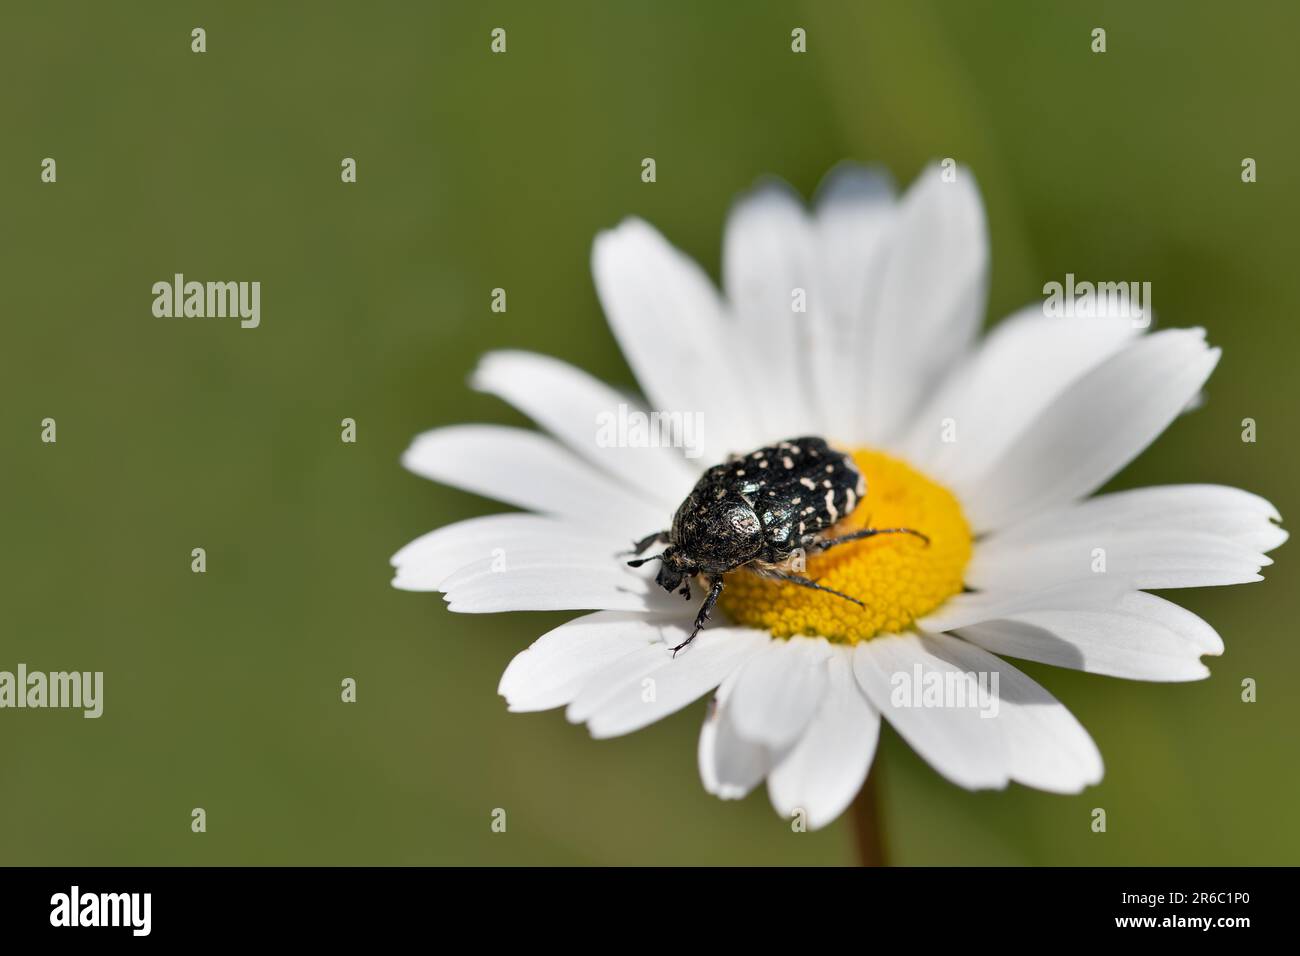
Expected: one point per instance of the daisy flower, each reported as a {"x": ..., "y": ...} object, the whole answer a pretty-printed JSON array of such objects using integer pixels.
[{"x": 859, "y": 322}]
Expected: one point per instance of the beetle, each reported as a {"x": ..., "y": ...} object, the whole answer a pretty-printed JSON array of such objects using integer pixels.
[{"x": 758, "y": 511}]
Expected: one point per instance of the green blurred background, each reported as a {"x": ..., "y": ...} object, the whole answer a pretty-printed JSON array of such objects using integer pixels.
[{"x": 478, "y": 171}]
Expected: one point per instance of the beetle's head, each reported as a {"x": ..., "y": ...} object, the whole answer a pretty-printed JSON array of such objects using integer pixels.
[{"x": 674, "y": 567}]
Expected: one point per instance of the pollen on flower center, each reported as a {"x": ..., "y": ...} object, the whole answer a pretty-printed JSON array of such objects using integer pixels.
[{"x": 896, "y": 576}]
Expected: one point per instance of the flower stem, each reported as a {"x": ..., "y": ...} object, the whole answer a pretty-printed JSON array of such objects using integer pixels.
[{"x": 866, "y": 821}]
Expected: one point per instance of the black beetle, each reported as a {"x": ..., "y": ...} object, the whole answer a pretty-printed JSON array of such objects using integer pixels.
[{"x": 758, "y": 511}]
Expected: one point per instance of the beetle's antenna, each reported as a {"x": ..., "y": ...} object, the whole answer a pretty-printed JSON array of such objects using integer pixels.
[
  {"x": 640, "y": 561},
  {"x": 805, "y": 583}
]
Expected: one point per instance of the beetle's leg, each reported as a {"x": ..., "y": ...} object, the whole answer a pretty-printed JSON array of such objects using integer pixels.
[
  {"x": 807, "y": 583},
  {"x": 639, "y": 546},
  {"x": 703, "y": 616},
  {"x": 829, "y": 543}
]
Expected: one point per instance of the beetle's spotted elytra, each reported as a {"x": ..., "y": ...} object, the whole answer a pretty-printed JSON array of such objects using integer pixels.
[{"x": 757, "y": 512}]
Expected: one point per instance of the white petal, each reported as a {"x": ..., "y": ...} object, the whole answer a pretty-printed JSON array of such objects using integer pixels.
[
  {"x": 1143, "y": 637},
  {"x": 578, "y": 410},
  {"x": 1015, "y": 731},
  {"x": 541, "y": 558},
  {"x": 531, "y": 471},
  {"x": 855, "y": 210},
  {"x": 1134, "y": 558},
  {"x": 931, "y": 299},
  {"x": 427, "y": 561},
  {"x": 675, "y": 335},
  {"x": 610, "y": 686},
  {"x": 824, "y": 771},
  {"x": 638, "y": 702},
  {"x": 1044, "y": 745},
  {"x": 778, "y": 691},
  {"x": 1022, "y": 365},
  {"x": 963, "y": 610},
  {"x": 552, "y": 671},
  {"x": 545, "y": 582},
  {"x": 1093, "y": 429},
  {"x": 855, "y": 213},
  {"x": 605, "y": 683},
  {"x": 957, "y": 742},
  {"x": 1181, "y": 621},
  {"x": 730, "y": 765},
  {"x": 770, "y": 251},
  {"x": 1237, "y": 516}
]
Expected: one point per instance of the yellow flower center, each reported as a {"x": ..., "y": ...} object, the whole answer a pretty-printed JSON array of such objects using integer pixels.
[{"x": 897, "y": 576}]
